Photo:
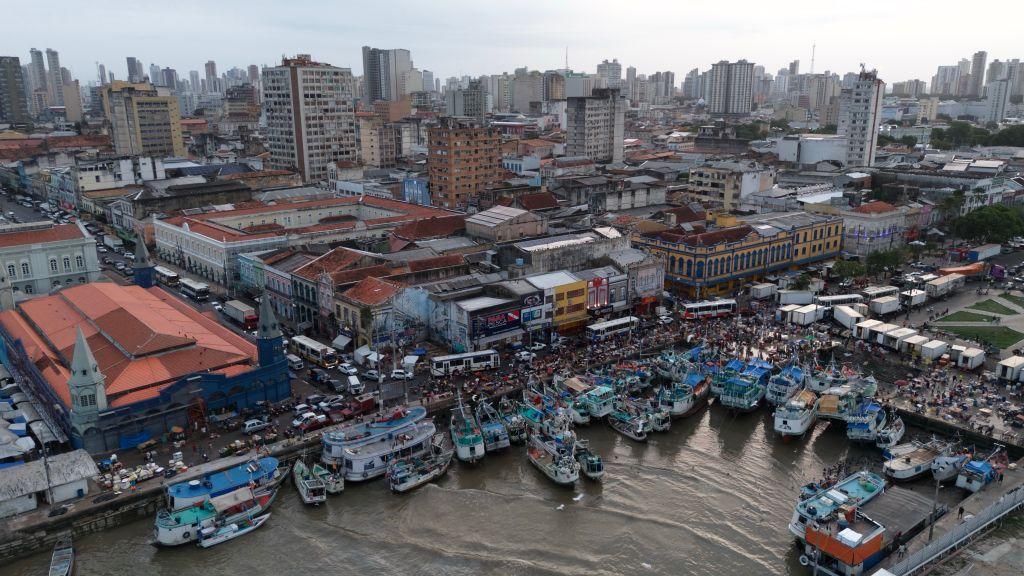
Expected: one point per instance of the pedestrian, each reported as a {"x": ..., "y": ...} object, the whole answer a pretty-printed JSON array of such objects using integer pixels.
[
  {"x": 960, "y": 513},
  {"x": 1000, "y": 477}
]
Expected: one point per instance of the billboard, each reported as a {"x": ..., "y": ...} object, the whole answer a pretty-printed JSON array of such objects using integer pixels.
[{"x": 496, "y": 323}]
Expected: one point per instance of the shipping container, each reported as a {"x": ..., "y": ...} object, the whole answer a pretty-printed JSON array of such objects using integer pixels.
[
  {"x": 913, "y": 298},
  {"x": 984, "y": 252},
  {"x": 847, "y": 316},
  {"x": 971, "y": 358},
  {"x": 802, "y": 297},
  {"x": 762, "y": 291},
  {"x": 806, "y": 315},
  {"x": 934, "y": 349},
  {"x": 944, "y": 285},
  {"x": 885, "y": 305}
]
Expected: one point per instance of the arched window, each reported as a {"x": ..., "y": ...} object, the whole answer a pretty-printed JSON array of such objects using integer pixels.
[
  {"x": 53, "y": 264},
  {"x": 67, "y": 263},
  {"x": 736, "y": 262},
  {"x": 715, "y": 267},
  {"x": 25, "y": 270},
  {"x": 10, "y": 270},
  {"x": 79, "y": 261},
  {"x": 700, "y": 269},
  {"x": 672, "y": 264}
]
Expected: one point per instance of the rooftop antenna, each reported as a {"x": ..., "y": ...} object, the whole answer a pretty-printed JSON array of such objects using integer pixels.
[
  {"x": 566, "y": 58},
  {"x": 814, "y": 47}
]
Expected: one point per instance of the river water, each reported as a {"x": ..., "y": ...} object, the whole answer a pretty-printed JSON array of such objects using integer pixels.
[{"x": 712, "y": 496}]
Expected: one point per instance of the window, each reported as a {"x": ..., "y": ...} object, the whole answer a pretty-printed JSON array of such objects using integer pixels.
[
  {"x": 79, "y": 262},
  {"x": 53, "y": 264},
  {"x": 28, "y": 289},
  {"x": 25, "y": 271},
  {"x": 10, "y": 270}
]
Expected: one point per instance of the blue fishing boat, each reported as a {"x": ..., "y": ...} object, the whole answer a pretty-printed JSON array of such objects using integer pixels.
[
  {"x": 255, "y": 473},
  {"x": 466, "y": 436},
  {"x": 731, "y": 369},
  {"x": 782, "y": 386},
  {"x": 854, "y": 491},
  {"x": 977, "y": 474},
  {"x": 863, "y": 424},
  {"x": 515, "y": 424},
  {"x": 627, "y": 420},
  {"x": 491, "y": 427},
  {"x": 368, "y": 431}
]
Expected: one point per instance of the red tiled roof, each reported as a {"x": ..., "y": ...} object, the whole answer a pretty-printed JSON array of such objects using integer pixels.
[
  {"x": 357, "y": 274},
  {"x": 686, "y": 214},
  {"x": 876, "y": 207},
  {"x": 538, "y": 201},
  {"x": 433, "y": 227},
  {"x": 436, "y": 262},
  {"x": 335, "y": 261},
  {"x": 371, "y": 291},
  {"x": 51, "y": 234}
]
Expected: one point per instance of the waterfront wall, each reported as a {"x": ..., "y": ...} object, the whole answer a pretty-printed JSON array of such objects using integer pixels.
[{"x": 967, "y": 436}]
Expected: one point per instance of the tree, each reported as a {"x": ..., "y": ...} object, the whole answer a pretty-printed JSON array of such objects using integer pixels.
[
  {"x": 1012, "y": 136},
  {"x": 878, "y": 261},
  {"x": 847, "y": 269},
  {"x": 950, "y": 206},
  {"x": 959, "y": 134},
  {"x": 909, "y": 141},
  {"x": 826, "y": 129},
  {"x": 801, "y": 282},
  {"x": 994, "y": 223}
]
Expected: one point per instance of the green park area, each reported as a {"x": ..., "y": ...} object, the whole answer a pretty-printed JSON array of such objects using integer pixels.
[
  {"x": 964, "y": 316},
  {"x": 992, "y": 306},
  {"x": 1018, "y": 300},
  {"x": 998, "y": 336}
]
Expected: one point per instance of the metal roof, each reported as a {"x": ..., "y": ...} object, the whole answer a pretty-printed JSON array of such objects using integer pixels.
[{"x": 494, "y": 216}]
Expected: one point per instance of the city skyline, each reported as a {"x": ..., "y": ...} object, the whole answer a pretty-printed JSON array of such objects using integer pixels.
[{"x": 679, "y": 39}]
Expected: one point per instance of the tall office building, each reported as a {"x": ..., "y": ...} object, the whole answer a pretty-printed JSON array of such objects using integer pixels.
[
  {"x": 428, "y": 80},
  {"x": 134, "y": 69},
  {"x": 56, "y": 78},
  {"x": 977, "y": 78},
  {"x": 554, "y": 86},
  {"x": 997, "y": 94},
  {"x": 13, "y": 104},
  {"x": 860, "y": 113},
  {"x": 468, "y": 102},
  {"x": 594, "y": 125},
  {"x": 72, "y": 94},
  {"x": 946, "y": 81},
  {"x": 630, "y": 80},
  {"x": 463, "y": 159},
  {"x": 193, "y": 81},
  {"x": 310, "y": 113},
  {"x": 156, "y": 76},
  {"x": 610, "y": 73},
  {"x": 383, "y": 71},
  {"x": 169, "y": 78},
  {"x": 254, "y": 74},
  {"x": 821, "y": 89},
  {"x": 101, "y": 71},
  {"x": 143, "y": 121},
  {"x": 691, "y": 84},
  {"x": 37, "y": 67},
  {"x": 731, "y": 88},
  {"x": 212, "y": 81}
]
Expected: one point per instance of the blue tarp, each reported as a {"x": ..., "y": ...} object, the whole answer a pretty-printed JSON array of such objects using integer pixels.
[{"x": 134, "y": 440}]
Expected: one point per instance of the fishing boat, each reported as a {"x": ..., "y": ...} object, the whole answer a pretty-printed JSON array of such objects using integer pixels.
[
  {"x": 629, "y": 422},
  {"x": 838, "y": 403},
  {"x": 255, "y": 473},
  {"x": 333, "y": 481},
  {"x": 382, "y": 426},
  {"x": 491, "y": 427},
  {"x": 731, "y": 369},
  {"x": 977, "y": 474},
  {"x": 469, "y": 442},
  {"x": 570, "y": 391},
  {"x": 62, "y": 561},
  {"x": 913, "y": 459},
  {"x": 552, "y": 453},
  {"x": 174, "y": 528},
  {"x": 311, "y": 489},
  {"x": 947, "y": 467},
  {"x": 367, "y": 459},
  {"x": 797, "y": 415},
  {"x": 658, "y": 415},
  {"x": 216, "y": 535},
  {"x": 822, "y": 378},
  {"x": 891, "y": 434},
  {"x": 514, "y": 423},
  {"x": 854, "y": 491},
  {"x": 782, "y": 386},
  {"x": 742, "y": 394},
  {"x": 407, "y": 474},
  {"x": 533, "y": 417},
  {"x": 863, "y": 425},
  {"x": 599, "y": 401},
  {"x": 591, "y": 464}
]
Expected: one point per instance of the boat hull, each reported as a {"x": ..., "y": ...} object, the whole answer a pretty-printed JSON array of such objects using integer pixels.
[
  {"x": 226, "y": 534},
  {"x": 628, "y": 429}
]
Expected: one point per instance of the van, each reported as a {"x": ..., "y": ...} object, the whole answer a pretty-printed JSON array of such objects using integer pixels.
[
  {"x": 253, "y": 426},
  {"x": 294, "y": 362},
  {"x": 354, "y": 385}
]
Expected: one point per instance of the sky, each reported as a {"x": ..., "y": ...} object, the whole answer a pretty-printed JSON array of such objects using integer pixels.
[{"x": 455, "y": 38}]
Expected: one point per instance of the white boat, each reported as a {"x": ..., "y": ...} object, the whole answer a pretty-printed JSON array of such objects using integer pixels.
[
  {"x": 977, "y": 474},
  {"x": 913, "y": 459},
  {"x": 553, "y": 454},
  {"x": 948, "y": 466},
  {"x": 469, "y": 442},
  {"x": 797, "y": 415},
  {"x": 782, "y": 386},
  {"x": 311, "y": 489},
  {"x": 368, "y": 460},
  {"x": 405, "y": 474},
  {"x": 863, "y": 424},
  {"x": 599, "y": 401},
  {"x": 891, "y": 434},
  {"x": 177, "y": 527},
  {"x": 216, "y": 535},
  {"x": 514, "y": 422},
  {"x": 591, "y": 464},
  {"x": 333, "y": 481},
  {"x": 492, "y": 427}
]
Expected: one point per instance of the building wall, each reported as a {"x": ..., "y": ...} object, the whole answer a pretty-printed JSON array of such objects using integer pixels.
[
  {"x": 462, "y": 160},
  {"x": 33, "y": 265},
  {"x": 18, "y": 505},
  {"x": 570, "y": 306},
  {"x": 595, "y": 126}
]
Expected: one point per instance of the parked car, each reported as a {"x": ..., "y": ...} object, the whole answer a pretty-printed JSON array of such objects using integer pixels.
[
  {"x": 314, "y": 399},
  {"x": 347, "y": 369},
  {"x": 314, "y": 423},
  {"x": 331, "y": 403},
  {"x": 371, "y": 375},
  {"x": 666, "y": 319},
  {"x": 301, "y": 409},
  {"x": 254, "y": 426},
  {"x": 303, "y": 418},
  {"x": 318, "y": 375},
  {"x": 525, "y": 356},
  {"x": 400, "y": 374},
  {"x": 536, "y": 346}
]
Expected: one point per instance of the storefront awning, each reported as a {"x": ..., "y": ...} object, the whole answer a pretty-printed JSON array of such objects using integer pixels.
[{"x": 341, "y": 342}]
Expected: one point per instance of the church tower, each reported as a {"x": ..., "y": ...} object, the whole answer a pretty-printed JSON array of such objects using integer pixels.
[
  {"x": 268, "y": 336},
  {"x": 87, "y": 386},
  {"x": 143, "y": 266}
]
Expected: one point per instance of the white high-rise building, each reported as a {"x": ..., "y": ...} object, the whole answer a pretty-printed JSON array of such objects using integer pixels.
[
  {"x": 56, "y": 78},
  {"x": 997, "y": 94},
  {"x": 860, "y": 112},
  {"x": 610, "y": 73},
  {"x": 595, "y": 125},
  {"x": 312, "y": 125},
  {"x": 977, "y": 78},
  {"x": 731, "y": 90}
]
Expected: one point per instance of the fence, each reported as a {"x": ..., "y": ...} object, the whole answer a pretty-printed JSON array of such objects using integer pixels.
[{"x": 915, "y": 562}]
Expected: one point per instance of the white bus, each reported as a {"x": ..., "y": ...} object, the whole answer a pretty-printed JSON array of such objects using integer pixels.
[
  {"x": 195, "y": 290},
  {"x": 313, "y": 351},
  {"x": 709, "y": 309},
  {"x": 463, "y": 363},
  {"x": 165, "y": 276},
  {"x": 838, "y": 300},
  {"x": 603, "y": 330}
]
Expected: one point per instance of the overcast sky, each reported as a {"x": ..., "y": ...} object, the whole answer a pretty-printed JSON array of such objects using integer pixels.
[{"x": 452, "y": 38}]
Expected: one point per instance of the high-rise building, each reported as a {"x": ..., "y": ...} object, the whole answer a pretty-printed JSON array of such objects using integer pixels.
[
  {"x": 194, "y": 84},
  {"x": 102, "y": 72},
  {"x": 310, "y": 113},
  {"x": 821, "y": 89},
  {"x": 731, "y": 88},
  {"x": 170, "y": 78},
  {"x": 13, "y": 104},
  {"x": 997, "y": 70},
  {"x": 554, "y": 86},
  {"x": 156, "y": 76},
  {"x": 428, "y": 80},
  {"x": 946, "y": 81},
  {"x": 383, "y": 71},
  {"x": 912, "y": 88},
  {"x": 143, "y": 121},
  {"x": 37, "y": 77},
  {"x": 690, "y": 85},
  {"x": 860, "y": 113},
  {"x": 997, "y": 94},
  {"x": 977, "y": 78},
  {"x": 1015, "y": 74},
  {"x": 380, "y": 142},
  {"x": 594, "y": 125},
  {"x": 211, "y": 77},
  {"x": 72, "y": 94},
  {"x": 56, "y": 78},
  {"x": 468, "y": 102},
  {"x": 134, "y": 70},
  {"x": 500, "y": 88},
  {"x": 794, "y": 68},
  {"x": 630, "y": 80},
  {"x": 463, "y": 159},
  {"x": 610, "y": 73}
]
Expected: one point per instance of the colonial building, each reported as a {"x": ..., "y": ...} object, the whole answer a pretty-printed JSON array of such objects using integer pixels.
[
  {"x": 871, "y": 227},
  {"x": 40, "y": 257},
  {"x": 502, "y": 224}
]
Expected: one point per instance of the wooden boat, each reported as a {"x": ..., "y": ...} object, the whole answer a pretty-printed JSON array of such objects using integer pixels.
[
  {"x": 62, "y": 563},
  {"x": 212, "y": 536},
  {"x": 405, "y": 475}
]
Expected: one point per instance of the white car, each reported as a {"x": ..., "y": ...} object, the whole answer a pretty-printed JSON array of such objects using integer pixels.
[
  {"x": 536, "y": 346},
  {"x": 371, "y": 375},
  {"x": 525, "y": 356},
  {"x": 307, "y": 417},
  {"x": 331, "y": 403},
  {"x": 347, "y": 369},
  {"x": 665, "y": 319},
  {"x": 399, "y": 374}
]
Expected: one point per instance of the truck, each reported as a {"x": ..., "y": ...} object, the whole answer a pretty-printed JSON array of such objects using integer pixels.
[
  {"x": 944, "y": 285},
  {"x": 241, "y": 313},
  {"x": 983, "y": 252},
  {"x": 913, "y": 298},
  {"x": 806, "y": 315},
  {"x": 762, "y": 291},
  {"x": 846, "y": 316},
  {"x": 885, "y": 305},
  {"x": 361, "y": 404},
  {"x": 802, "y": 297},
  {"x": 113, "y": 242}
]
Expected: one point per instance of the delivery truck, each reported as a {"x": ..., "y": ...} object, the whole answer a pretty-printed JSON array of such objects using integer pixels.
[
  {"x": 241, "y": 313},
  {"x": 846, "y": 316},
  {"x": 802, "y": 297},
  {"x": 885, "y": 305},
  {"x": 944, "y": 285},
  {"x": 762, "y": 291},
  {"x": 983, "y": 252},
  {"x": 913, "y": 298},
  {"x": 806, "y": 315}
]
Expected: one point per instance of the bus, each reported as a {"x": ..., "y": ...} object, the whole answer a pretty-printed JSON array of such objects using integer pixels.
[
  {"x": 462, "y": 363},
  {"x": 838, "y": 300},
  {"x": 709, "y": 309},
  {"x": 316, "y": 352},
  {"x": 604, "y": 330},
  {"x": 195, "y": 290},
  {"x": 165, "y": 276}
]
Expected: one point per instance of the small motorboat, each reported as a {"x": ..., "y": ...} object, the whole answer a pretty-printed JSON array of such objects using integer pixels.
[
  {"x": 891, "y": 434},
  {"x": 213, "y": 535},
  {"x": 62, "y": 563},
  {"x": 591, "y": 464}
]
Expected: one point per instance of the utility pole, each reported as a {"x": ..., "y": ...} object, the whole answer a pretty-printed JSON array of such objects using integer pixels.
[{"x": 935, "y": 506}]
